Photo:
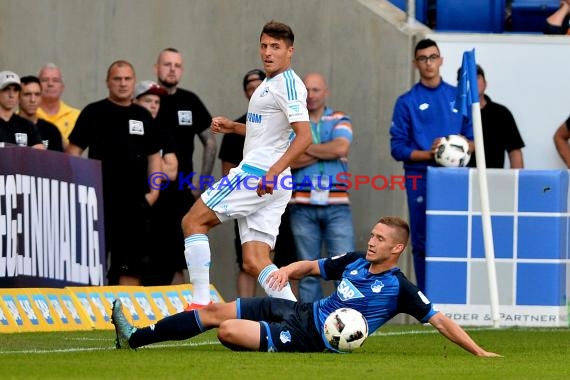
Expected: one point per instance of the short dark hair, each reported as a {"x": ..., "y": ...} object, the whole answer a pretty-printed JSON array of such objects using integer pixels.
[
  {"x": 119, "y": 63},
  {"x": 30, "y": 79},
  {"x": 252, "y": 75},
  {"x": 280, "y": 31},
  {"x": 424, "y": 44},
  {"x": 479, "y": 72}
]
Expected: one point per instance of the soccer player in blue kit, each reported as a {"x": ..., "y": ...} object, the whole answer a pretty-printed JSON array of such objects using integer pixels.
[{"x": 370, "y": 282}]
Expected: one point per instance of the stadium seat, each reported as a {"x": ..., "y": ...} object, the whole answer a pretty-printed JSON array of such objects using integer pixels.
[
  {"x": 421, "y": 8},
  {"x": 530, "y": 15},
  {"x": 470, "y": 15}
]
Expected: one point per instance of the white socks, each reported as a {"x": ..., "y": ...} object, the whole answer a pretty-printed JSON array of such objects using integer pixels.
[
  {"x": 197, "y": 254},
  {"x": 285, "y": 293}
]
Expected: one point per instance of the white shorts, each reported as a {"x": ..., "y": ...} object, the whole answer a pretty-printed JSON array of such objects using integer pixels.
[{"x": 235, "y": 197}]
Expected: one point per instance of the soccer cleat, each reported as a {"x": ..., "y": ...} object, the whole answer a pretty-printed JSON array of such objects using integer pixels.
[
  {"x": 123, "y": 328},
  {"x": 195, "y": 306}
]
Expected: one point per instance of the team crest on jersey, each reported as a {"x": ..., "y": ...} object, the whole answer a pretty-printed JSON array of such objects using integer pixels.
[
  {"x": 285, "y": 337},
  {"x": 347, "y": 291},
  {"x": 264, "y": 92},
  {"x": 377, "y": 286},
  {"x": 136, "y": 127}
]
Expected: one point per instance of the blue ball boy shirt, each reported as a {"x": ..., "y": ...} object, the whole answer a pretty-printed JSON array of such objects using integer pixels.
[
  {"x": 420, "y": 116},
  {"x": 379, "y": 297}
]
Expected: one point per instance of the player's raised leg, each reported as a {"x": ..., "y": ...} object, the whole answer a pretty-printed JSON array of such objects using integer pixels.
[{"x": 257, "y": 262}]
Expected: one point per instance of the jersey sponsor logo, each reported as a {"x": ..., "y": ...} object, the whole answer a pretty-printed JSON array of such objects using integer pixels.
[
  {"x": 423, "y": 106},
  {"x": 21, "y": 139},
  {"x": 347, "y": 291},
  {"x": 353, "y": 272},
  {"x": 185, "y": 117},
  {"x": 136, "y": 127},
  {"x": 377, "y": 286},
  {"x": 285, "y": 337},
  {"x": 254, "y": 118}
]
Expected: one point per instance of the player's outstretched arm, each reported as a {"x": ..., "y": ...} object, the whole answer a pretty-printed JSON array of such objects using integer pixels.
[
  {"x": 294, "y": 271},
  {"x": 457, "y": 335}
]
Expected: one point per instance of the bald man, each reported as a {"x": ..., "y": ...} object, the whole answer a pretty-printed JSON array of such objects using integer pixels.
[{"x": 320, "y": 209}]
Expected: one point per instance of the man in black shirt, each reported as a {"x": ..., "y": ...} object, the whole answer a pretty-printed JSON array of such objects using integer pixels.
[
  {"x": 184, "y": 117},
  {"x": 30, "y": 98},
  {"x": 13, "y": 128},
  {"x": 123, "y": 136},
  {"x": 500, "y": 132}
]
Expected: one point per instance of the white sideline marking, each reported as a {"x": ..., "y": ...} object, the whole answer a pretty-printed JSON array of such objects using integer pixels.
[
  {"x": 426, "y": 331},
  {"x": 80, "y": 349}
]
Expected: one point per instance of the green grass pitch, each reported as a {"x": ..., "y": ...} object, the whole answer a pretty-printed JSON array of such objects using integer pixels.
[{"x": 395, "y": 352}]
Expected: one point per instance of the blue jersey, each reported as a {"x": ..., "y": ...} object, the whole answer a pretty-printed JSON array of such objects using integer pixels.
[
  {"x": 379, "y": 297},
  {"x": 289, "y": 326},
  {"x": 420, "y": 116}
]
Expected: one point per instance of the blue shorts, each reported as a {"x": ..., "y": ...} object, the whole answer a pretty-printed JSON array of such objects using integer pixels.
[{"x": 285, "y": 326}]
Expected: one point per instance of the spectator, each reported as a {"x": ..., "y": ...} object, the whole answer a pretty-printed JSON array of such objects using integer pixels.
[
  {"x": 148, "y": 95},
  {"x": 123, "y": 137},
  {"x": 561, "y": 137},
  {"x": 500, "y": 132},
  {"x": 182, "y": 116},
  {"x": 30, "y": 98},
  {"x": 15, "y": 129},
  {"x": 421, "y": 117},
  {"x": 320, "y": 211},
  {"x": 557, "y": 23},
  {"x": 231, "y": 154},
  {"x": 52, "y": 108}
]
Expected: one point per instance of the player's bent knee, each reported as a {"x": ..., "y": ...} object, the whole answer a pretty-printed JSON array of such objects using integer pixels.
[
  {"x": 251, "y": 268},
  {"x": 229, "y": 337}
]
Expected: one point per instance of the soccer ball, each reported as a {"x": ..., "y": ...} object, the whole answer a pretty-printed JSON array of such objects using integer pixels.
[
  {"x": 453, "y": 151},
  {"x": 346, "y": 329}
]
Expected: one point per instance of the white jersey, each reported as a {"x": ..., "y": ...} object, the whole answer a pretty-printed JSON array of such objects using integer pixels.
[{"x": 276, "y": 103}]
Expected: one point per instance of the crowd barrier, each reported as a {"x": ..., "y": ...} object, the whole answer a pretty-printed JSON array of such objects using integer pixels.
[
  {"x": 88, "y": 308},
  {"x": 530, "y": 225},
  {"x": 51, "y": 219}
]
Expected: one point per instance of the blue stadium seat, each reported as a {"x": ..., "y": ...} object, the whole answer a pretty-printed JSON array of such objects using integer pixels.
[
  {"x": 470, "y": 15},
  {"x": 421, "y": 8},
  {"x": 530, "y": 15}
]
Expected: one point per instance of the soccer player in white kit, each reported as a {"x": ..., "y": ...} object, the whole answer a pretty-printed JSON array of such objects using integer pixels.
[{"x": 258, "y": 190}]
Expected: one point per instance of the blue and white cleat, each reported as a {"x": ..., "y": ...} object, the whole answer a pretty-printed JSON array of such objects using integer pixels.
[{"x": 123, "y": 328}]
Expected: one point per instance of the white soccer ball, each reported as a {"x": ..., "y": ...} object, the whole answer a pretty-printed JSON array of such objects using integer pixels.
[
  {"x": 346, "y": 329},
  {"x": 453, "y": 151}
]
